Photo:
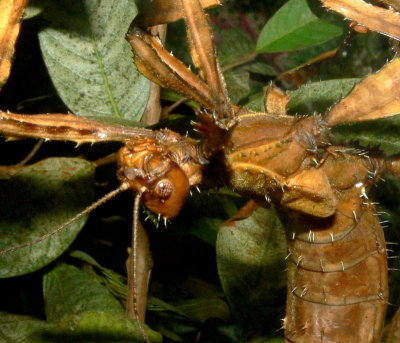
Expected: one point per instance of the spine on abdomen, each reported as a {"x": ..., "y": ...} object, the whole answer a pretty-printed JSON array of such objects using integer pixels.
[{"x": 337, "y": 275}]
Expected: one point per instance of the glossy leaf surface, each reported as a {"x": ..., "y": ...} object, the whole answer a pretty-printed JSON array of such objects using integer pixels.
[{"x": 295, "y": 27}]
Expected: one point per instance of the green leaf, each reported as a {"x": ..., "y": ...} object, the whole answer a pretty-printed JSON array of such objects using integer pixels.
[
  {"x": 36, "y": 201},
  {"x": 79, "y": 309},
  {"x": 89, "y": 61},
  {"x": 90, "y": 326},
  {"x": 209, "y": 211},
  {"x": 235, "y": 45},
  {"x": 100, "y": 327},
  {"x": 295, "y": 27},
  {"x": 202, "y": 309},
  {"x": 205, "y": 228},
  {"x": 250, "y": 259},
  {"x": 319, "y": 96},
  {"x": 158, "y": 305},
  {"x": 262, "y": 68},
  {"x": 83, "y": 306},
  {"x": 115, "y": 283},
  {"x": 34, "y": 8},
  {"x": 256, "y": 102},
  {"x": 297, "y": 59},
  {"x": 236, "y": 48},
  {"x": 117, "y": 121},
  {"x": 267, "y": 340},
  {"x": 68, "y": 291},
  {"x": 382, "y": 134},
  {"x": 238, "y": 84},
  {"x": 172, "y": 96},
  {"x": 16, "y": 328}
]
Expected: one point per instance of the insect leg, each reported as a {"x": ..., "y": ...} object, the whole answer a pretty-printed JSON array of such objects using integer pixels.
[
  {"x": 139, "y": 266},
  {"x": 204, "y": 57}
]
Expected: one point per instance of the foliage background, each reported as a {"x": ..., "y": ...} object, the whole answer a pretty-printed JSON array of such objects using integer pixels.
[{"x": 210, "y": 283}]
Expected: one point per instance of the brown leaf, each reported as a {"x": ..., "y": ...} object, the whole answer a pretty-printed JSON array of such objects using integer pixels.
[
  {"x": 385, "y": 21},
  {"x": 377, "y": 96},
  {"x": 165, "y": 11},
  {"x": 11, "y": 12}
]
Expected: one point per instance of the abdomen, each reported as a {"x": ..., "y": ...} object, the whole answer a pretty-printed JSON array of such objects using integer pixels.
[{"x": 337, "y": 275}]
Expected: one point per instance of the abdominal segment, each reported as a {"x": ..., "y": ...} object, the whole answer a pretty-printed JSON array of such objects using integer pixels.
[{"x": 337, "y": 289}]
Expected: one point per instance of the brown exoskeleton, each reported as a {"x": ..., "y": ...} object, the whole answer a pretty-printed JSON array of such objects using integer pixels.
[
  {"x": 337, "y": 266},
  {"x": 337, "y": 289}
]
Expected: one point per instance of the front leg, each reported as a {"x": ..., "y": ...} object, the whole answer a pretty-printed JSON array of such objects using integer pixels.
[{"x": 208, "y": 88}]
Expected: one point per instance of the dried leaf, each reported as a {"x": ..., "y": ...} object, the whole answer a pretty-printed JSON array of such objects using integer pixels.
[
  {"x": 377, "y": 96},
  {"x": 385, "y": 21},
  {"x": 162, "y": 12},
  {"x": 11, "y": 12}
]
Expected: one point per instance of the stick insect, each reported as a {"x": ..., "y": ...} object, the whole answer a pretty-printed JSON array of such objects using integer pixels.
[{"x": 337, "y": 267}]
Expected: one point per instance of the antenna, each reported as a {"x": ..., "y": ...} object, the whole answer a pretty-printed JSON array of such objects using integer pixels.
[{"x": 123, "y": 187}]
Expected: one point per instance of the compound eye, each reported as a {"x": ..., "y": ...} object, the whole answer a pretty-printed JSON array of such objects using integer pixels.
[
  {"x": 166, "y": 196},
  {"x": 164, "y": 188}
]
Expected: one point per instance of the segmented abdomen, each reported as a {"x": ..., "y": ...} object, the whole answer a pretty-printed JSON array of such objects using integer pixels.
[
  {"x": 337, "y": 264},
  {"x": 337, "y": 274}
]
